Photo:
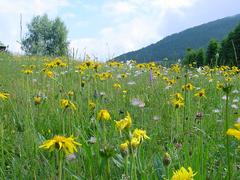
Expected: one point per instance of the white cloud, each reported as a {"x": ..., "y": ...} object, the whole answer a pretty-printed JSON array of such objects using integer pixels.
[
  {"x": 135, "y": 23},
  {"x": 128, "y": 24},
  {"x": 10, "y": 17}
]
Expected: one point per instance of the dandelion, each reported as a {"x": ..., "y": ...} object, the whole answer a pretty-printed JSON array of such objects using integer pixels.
[
  {"x": 67, "y": 144},
  {"x": 103, "y": 115},
  {"x": 183, "y": 174},
  {"x": 4, "y": 96}
]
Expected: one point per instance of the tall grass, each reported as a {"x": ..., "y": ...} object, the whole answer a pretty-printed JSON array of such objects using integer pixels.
[{"x": 190, "y": 140}]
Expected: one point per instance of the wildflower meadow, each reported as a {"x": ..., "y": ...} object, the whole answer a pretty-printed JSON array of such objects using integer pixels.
[{"x": 66, "y": 119}]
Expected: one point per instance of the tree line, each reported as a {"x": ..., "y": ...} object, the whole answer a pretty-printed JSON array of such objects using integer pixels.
[{"x": 225, "y": 52}]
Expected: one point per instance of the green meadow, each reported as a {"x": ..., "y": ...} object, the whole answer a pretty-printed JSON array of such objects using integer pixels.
[{"x": 183, "y": 114}]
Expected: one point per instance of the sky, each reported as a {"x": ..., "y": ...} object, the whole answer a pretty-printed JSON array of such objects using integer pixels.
[{"x": 107, "y": 28}]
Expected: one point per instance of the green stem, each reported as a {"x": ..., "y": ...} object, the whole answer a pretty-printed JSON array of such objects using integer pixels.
[
  {"x": 108, "y": 168},
  {"x": 227, "y": 141},
  {"x": 126, "y": 165},
  {"x": 60, "y": 165}
]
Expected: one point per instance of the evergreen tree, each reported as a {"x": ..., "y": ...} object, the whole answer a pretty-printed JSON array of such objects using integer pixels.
[
  {"x": 200, "y": 57},
  {"x": 230, "y": 48},
  {"x": 212, "y": 51}
]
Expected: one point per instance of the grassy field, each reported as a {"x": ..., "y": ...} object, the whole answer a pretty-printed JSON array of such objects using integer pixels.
[{"x": 170, "y": 118}]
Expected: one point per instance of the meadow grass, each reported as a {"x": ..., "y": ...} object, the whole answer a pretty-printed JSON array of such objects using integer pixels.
[{"x": 192, "y": 136}]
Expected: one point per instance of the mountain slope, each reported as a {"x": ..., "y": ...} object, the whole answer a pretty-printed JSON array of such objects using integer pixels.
[{"x": 174, "y": 46}]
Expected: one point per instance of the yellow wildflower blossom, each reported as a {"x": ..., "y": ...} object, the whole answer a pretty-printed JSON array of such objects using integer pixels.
[
  {"x": 4, "y": 96},
  {"x": 200, "y": 93},
  {"x": 103, "y": 115},
  {"x": 124, "y": 123},
  {"x": 91, "y": 105},
  {"x": 124, "y": 146},
  {"x": 64, "y": 103},
  {"x": 135, "y": 142},
  {"x": 37, "y": 100},
  {"x": 117, "y": 86},
  {"x": 27, "y": 71},
  {"x": 188, "y": 87},
  {"x": 234, "y": 132},
  {"x": 183, "y": 174},
  {"x": 67, "y": 144},
  {"x": 140, "y": 134}
]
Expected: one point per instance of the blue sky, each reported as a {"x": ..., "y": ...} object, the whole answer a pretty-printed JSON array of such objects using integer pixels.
[{"x": 106, "y": 28}]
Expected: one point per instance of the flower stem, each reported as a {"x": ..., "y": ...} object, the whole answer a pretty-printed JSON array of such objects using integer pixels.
[
  {"x": 60, "y": 165},
  {"x": 227, "y": 140}
]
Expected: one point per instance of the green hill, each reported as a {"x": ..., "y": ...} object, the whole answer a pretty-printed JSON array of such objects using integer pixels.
[{"x": 175, "y": 45}]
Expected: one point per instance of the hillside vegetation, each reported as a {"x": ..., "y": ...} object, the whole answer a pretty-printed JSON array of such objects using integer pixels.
[{"x": 174, "y": 46}]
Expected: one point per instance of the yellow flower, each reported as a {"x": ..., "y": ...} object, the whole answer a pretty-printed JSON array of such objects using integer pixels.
[
  {"x": 188, "y": 87},
  {"x": 234, "y": 132},
  {"x": 228, "y": 79},
  {"x": 4, "y": 96},
  {"x": 220, "y": 86},
  {"x": 50, "y": 74},
  {"x": 124, "y": 146},
  {"x": 124, "y": 123},
  {"x": 140, "y": 134},
  {"x": 183, "y": 174},
  {"x": 123, "y": 75},
  {"x": 135, "y": 142},
  {"x": 70, "y": 93},
  {"x": 103, "y": 115},
  {"x": 125, "y": 91},
  {"x": 176, "y": 68},
  {"x": 91, "y": 105},
  {"x": 178, "y": 96},
  {"x": 117, "y": 86},
  {"x": 64, "y": 103},
  {"x": 67, "y": 144},
  {"x": 178, "y": 103},
  {"x": 27, "y": 71},
  {"x": 37, "y": 100},
  {"x": 200, "y": 93}
]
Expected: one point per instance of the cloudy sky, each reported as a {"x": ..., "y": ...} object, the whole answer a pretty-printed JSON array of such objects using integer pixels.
[{"x": 106, "y": 28}]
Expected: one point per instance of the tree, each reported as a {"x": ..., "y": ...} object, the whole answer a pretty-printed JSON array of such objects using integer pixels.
[
  {"x": 200, "y": 57},
  {"x": 230, "y": 48},
  {"x": 46, "y": 37},
  {"x": 212, "y": 51},
  {"x": 197, "y": 56}
]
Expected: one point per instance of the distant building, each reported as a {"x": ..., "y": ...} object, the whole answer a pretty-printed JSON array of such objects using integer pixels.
[{"x": 2, "y": 47}]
